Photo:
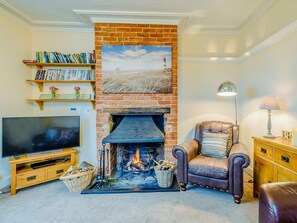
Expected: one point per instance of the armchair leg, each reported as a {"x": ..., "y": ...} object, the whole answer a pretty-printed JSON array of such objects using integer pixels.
[
  {"x": 237, "y": 199},
  {"x": 183, "y": 187}
]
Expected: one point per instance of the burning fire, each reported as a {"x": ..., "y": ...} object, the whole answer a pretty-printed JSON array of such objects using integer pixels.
[
  {"x": 136, "y": 163},
  {"x": 136, "y": 157}
]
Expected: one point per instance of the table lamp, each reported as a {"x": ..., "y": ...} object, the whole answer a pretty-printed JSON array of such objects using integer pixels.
[{"x": 269, "y": 103}]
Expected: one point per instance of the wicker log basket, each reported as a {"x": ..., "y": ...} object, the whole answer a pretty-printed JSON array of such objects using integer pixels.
[
  {"x": 164, "y": 171},
  {"x": 80, "y": 180}
]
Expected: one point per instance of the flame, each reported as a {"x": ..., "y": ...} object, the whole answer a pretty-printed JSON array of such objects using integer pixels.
[{"x": 136, "y": 157}]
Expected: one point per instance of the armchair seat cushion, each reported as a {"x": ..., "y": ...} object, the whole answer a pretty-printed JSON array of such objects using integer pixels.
[{"x": 209, "y": 167}]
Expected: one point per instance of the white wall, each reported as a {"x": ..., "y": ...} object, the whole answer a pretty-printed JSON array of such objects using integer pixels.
[
  {"x": 69, "y": 42},
  {"x": 272, "y": 72},
  {"x": 198, "y": 100},
  {"x": 15, "y": 45}
]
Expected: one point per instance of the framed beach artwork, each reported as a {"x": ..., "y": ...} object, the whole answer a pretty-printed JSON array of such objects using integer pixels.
[{"x": 136, "y": 69}]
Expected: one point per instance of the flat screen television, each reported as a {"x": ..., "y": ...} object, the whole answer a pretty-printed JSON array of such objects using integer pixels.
[{"x": 23, "y": 135}]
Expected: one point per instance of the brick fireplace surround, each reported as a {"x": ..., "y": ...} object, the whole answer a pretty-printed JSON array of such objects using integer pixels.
[{"x": 136, "y": 34}]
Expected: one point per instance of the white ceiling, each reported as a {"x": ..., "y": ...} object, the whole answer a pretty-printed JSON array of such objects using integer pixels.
[{"x": 193, "y": 16}]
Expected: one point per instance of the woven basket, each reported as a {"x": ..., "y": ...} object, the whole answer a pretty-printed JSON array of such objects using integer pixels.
[
  {"x": 78, "y": 182},
  {"x": 164, "y": 177}
]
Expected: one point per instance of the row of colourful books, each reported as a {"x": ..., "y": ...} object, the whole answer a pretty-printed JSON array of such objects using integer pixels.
[
  {"x": 56, "y": 57},
  {"x": 63, "y": 74}
]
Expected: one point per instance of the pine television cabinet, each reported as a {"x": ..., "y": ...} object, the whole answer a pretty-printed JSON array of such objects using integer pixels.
[{"x": 23, "y": 175}]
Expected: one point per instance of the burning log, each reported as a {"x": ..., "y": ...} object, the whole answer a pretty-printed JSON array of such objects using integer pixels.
[{"x": 136, "y": 164}]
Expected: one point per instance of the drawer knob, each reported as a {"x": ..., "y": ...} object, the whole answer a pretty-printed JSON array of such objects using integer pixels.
[
  {"x": 285, "y": 159},
  {"x": 263, "y": 150},
  {"x": 31, "y": 178},
  {"x": 59, "y": 171}
]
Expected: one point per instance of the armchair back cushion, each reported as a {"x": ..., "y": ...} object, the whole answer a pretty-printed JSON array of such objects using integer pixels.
[
  {"x": 214, "y": 144},
  {"x": 217, "y": 127}
]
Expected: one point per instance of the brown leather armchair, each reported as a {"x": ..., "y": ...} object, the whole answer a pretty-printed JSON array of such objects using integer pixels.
[{"x": 224, "y": 174}]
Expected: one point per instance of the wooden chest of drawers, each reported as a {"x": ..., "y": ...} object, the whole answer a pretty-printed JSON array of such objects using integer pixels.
[{"x": 275, "y": 160}]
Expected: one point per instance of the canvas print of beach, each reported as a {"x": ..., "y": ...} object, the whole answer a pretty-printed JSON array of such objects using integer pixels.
[{"x": 136, "y": 69}]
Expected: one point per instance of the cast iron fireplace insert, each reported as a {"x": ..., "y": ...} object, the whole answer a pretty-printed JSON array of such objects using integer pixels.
[{"x": 136, "y": 129}]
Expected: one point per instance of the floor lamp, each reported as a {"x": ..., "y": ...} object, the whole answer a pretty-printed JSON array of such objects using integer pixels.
[{"x": 228, "y": 89}]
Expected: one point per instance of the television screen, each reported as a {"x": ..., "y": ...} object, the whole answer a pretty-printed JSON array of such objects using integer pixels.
[{"x": 22, "y": 135}]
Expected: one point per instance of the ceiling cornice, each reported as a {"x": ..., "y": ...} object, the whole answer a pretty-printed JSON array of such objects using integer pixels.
[
  {"x": 133, "y": 17},
  {"x": 242, "y": 25},
  {"x": 273, "y": 39},
  {"x": 88, "y": 17},
  {"x": 18, "y": 16},
  {"x": 256, "y": 15}
]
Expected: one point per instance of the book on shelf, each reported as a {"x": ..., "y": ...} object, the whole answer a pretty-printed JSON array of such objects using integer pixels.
[
  {"x": 57, "y": 57},
  {"x": 65, "y": 74}
]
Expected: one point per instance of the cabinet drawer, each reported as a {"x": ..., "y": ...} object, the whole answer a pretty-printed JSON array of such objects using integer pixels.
[
  {"x": 29, "y": 179},
  {"x": 57, "y": 171},
  {"x": 263, "y": 150},
  {"x": 286, "y": 159}
]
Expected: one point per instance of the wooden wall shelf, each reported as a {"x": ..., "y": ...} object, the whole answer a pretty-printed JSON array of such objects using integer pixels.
[
  {"x": 40, "y": 102},
  {"x": 40, "y": 82},
  {"x": 41, "y": 65}
]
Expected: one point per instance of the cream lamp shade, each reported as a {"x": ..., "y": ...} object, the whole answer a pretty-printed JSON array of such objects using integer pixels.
[{"x": 269, "y": 103}]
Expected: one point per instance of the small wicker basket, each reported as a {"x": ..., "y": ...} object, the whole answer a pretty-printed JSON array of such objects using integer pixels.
[
  {"x": 164, "y": 177},
  {"x": 78, "y": 182}
]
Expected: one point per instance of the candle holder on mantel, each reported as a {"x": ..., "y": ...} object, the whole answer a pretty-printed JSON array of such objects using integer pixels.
[{"x": 286, "y": 135}]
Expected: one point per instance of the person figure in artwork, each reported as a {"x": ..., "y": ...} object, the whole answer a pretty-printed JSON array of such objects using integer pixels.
[{"x": 164, "y": 63}]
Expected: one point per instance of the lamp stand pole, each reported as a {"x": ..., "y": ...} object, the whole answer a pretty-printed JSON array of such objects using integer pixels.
[{"x": 269, "y": 135}]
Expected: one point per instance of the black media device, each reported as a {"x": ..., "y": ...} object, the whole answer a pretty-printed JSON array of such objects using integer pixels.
[{"x": 24, "y": 135}]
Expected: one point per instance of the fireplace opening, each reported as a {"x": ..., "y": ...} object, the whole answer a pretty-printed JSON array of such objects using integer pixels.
[
  {"x": 138, "y": 158},
  {"x": 130, "y": 152},
  {"x": 136, "y": 143}
]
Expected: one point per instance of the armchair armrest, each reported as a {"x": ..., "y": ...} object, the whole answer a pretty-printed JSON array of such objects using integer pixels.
[
  {"x": 239, "y": 151},
  {"x": 238, "y": 159},
  {"x": 184, "y": 153}
]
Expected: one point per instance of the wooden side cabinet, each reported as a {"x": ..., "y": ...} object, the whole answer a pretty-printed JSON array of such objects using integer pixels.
[
  {"x": 23, "y": 175},
  {"x": 275, "y": 160}
]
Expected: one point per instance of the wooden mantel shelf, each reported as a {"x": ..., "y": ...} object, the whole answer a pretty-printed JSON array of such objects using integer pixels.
[
  {"x": 40, "y": 82},
  {"x": 40, "y": 102},
  {"x": 41, "y": 65}
]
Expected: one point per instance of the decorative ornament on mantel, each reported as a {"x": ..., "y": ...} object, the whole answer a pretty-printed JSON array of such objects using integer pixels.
[
  {"x": 77, "y": 92},
  {"x": 53, "y": 90}
]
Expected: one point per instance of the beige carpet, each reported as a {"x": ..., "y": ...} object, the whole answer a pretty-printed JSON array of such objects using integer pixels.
[{"x": 52, "y": 203}]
